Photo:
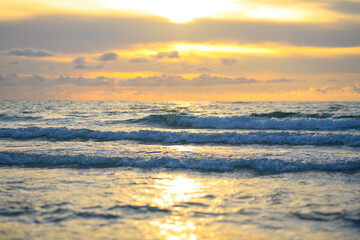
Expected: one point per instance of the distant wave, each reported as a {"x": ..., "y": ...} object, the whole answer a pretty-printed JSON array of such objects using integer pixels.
[
  {"x": 254, "y": 122},
  {"x": 261, "y": 165},
  {"x": 9, "y": 118},
  {"x": 280, "y": 115},
  {"x": 232, "y": 138}
]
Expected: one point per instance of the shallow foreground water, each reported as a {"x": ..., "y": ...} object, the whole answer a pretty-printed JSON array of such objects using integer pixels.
[
  {"x": 117, "y": 203},
  {"x": 161, "y": 170}
]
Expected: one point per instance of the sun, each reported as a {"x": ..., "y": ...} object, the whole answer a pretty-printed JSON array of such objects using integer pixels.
[{"x": 177, "y": 11}]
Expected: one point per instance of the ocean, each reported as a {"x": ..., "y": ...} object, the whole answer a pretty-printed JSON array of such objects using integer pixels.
[{"x": 179, "y": 170}]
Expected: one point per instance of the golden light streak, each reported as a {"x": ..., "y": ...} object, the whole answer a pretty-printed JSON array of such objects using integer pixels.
[
  {"x": 217, "y": 50},
  {"x": 181, "y": 11},
  {"x": 321, "y": 51},
  {"x": 308, "y": 12},
  {"x": 58, "y": 59},
  {"x": 222, "y": 48},
  {"x": 12, "y": 10},
  {"x": 177, "y": 11},
  {"x": 267, "y": 49},
  {"x": 295, "y": 95},
  {"x": 276, "y": 13},
  {"x": 120, "y": 75},
  {"x": 188, "y": 51}
]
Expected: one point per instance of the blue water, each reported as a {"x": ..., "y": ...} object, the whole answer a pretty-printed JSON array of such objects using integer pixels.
[{"x": 179, "y": 170}]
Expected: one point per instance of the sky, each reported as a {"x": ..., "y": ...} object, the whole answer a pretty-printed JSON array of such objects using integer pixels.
[{"x": 211, "y": 50}]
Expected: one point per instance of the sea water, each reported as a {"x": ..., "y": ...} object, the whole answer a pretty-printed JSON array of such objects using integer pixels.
[{"x": 179, "y": 170}]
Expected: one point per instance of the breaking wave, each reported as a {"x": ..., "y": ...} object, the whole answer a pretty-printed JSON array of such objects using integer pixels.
[
  {"x": 199, "y": 163},
  {"x": 231, "y": 138},
  {"x": 258, "y": 122}
]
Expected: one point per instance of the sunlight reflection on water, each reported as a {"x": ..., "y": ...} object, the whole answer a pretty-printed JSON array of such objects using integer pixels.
[{"x": 175, "y": 190}]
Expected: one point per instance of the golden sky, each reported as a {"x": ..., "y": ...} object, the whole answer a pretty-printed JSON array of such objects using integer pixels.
[{"x": 229, "y": 50}]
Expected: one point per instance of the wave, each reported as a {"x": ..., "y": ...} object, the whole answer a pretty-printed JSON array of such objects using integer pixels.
[
  {"x": 232, "y": 138},
  {"x": 10, "y": 118},
  {"x": 245, "y": 122},
  {"x": 261, "y": 165},
  {"x": 281, "y": 115}
]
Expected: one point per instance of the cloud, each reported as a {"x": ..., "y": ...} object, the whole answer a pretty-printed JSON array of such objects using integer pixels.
[
  {"x": 207, "y": 87},
  {"x": 37, "y": 80},
  {"x": 85, "y": 33},
  {"x": 81, "y": 64},
  {"x": 203, "y": 69},
  {"x": 14, "y": 79},
  {"x": 138, "y": 60},
  {"x": 171, "y": 55},
  {"x": 151, "y": 81},
  {"x": 174, "y": 80},
  {"x": 79, "y": 60},
  {"x": 207, "y": 79},
  {"x": 157, "y": 56},
  {"x": 30, "y": 52},
  {"x": 154, "y": 81},
  {"x": 10, "y": 79},
  {"x": 110, "y": 56},
  {"x": 357, "y": 87},
  {"x": 228, "y": 61},
  {"x": 81, "y": 81},
  {"x": 15, "y": 62},
  {"x": 281, "y": 80},
  {"x": 83, "y": 67},
  {"x": 324, "y": 89},
  {"x": 348, "y": 7}
]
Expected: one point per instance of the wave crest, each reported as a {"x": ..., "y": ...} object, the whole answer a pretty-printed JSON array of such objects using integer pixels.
[
  {"x": 231, "y": 138},
  {"x": 252, "y": 123},
  {"x": 261, "y": 165}
]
